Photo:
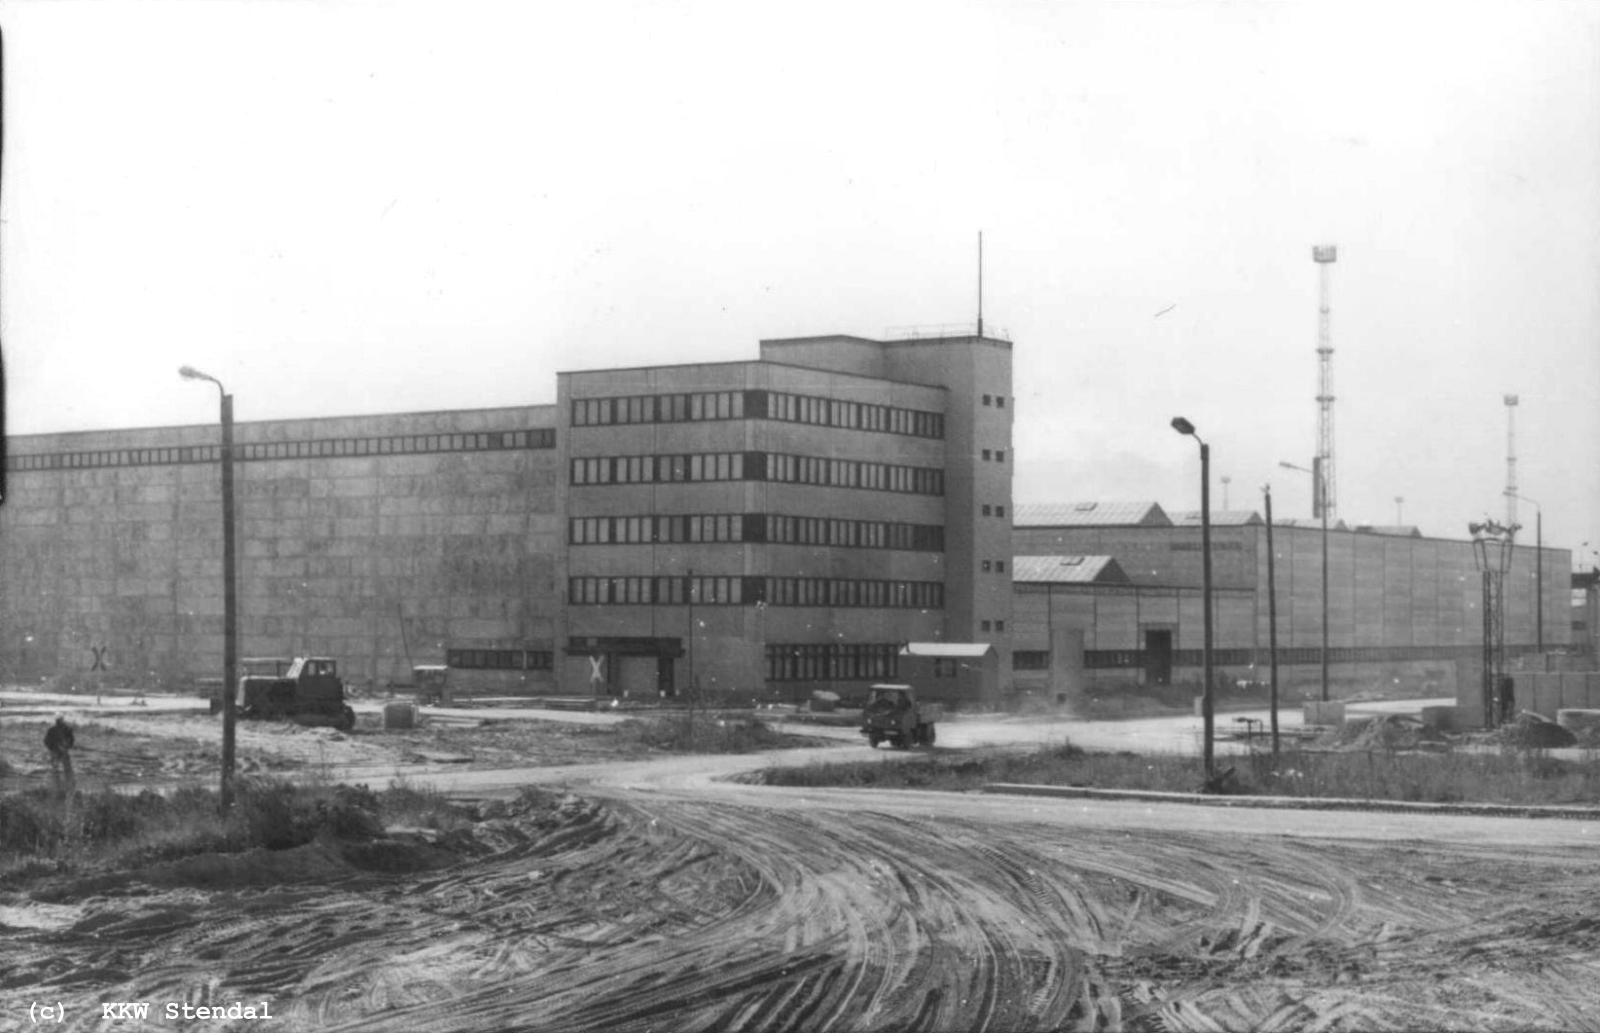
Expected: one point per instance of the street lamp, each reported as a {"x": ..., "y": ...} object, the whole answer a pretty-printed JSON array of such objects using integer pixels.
[
  {"x": 1183, "y": 426},
  {"x": 1491, "y": 550},
  {"x": 1538, "y": 566},
  {"x": 230, "y": 613},
  {"x": 1319, "y": 494}
]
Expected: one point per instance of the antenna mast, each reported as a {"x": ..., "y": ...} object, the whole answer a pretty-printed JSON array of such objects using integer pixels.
[
  {"x": 980, "y": 283},
  {"x": 1511, "y": 461},
  {"x": 1326, "y": 501}
]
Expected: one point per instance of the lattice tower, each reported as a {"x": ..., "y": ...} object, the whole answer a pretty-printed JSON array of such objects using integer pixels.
[{"x": 1325, "y": 255}]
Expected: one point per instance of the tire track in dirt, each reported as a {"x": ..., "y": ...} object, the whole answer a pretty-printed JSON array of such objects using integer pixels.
[{"x": 652, "y": 912}]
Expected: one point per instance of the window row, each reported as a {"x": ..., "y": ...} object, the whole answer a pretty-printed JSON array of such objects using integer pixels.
[
  {"x": 989, "y": 510},
  {"x": 410, "y": 444},
  {"x": 833, "y": 661},
  {"x": 755, "y": 527},
  {"x": 996, "y": 454},
  {"x": 1030, "y": 660},
  {"x": 834, "y": 412},
  {"x": 998, "y": 401},
  {"x": 997, "y": 626},
  {"x": 758, "y": 466},
  {"x": 673, "y": 408},
  {"x": 700, "y": 590},
  {"x": 500, "y": 659},
  {"x": 710, "y": 466},
  {"x": 756, "y": 405},
  {"x": 855, "y": 473}
]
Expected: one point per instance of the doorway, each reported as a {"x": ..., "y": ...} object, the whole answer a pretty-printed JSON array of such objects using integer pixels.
[{"x": 1158, "y": 656}]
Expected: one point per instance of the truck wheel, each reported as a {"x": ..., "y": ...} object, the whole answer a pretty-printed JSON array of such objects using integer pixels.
[
  {"x": 928, "y": 735},
  {"x": 874, "y": 739},
  {"x": 347, "y": 719}
]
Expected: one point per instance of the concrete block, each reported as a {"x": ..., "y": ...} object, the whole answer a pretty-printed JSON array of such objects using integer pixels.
[{"x": 1577, "y": 720}]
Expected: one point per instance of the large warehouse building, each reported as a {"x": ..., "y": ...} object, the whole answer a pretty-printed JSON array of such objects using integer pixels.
[
  {"x": 819, "y": 517},
  {"x": 772, "y": 526},
  {"x": 1400, "y": 606}
]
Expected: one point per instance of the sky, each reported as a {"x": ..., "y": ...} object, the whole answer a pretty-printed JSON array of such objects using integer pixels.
[{"x": 344, "y": 208}]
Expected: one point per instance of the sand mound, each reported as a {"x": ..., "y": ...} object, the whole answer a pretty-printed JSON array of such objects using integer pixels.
[{"x": 1383, "y": 732}]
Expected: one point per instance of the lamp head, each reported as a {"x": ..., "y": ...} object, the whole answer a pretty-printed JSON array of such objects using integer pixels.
[
  {"x": 190, "y": 373},
  {"x": 1182, "y": 426}
]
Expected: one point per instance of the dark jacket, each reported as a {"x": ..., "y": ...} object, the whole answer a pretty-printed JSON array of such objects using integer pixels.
[{"x": 59, "y": 737}]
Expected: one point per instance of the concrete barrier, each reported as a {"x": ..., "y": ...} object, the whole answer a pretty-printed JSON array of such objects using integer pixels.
[
  {"x": 399, "y": 715},
  {"x": 1324, "y": 712},
  {"x": 1575, "y": 720}
]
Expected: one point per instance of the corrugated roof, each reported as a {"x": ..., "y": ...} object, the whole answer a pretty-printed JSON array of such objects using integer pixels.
[
  {"x": 1098, "y": 570},
  {"x": 1337, "y": 525},
  {"x": 937, "y": 649},
  {"x": 1219, "y": 518},
  {"x": 1394, "y": 530},
  {"x": 1090, "y": 514}
]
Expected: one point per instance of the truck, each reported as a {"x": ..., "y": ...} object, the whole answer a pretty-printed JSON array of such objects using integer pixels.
[
  {"x": 308, "y": 690},
  {"x": 894, "y": 715}
]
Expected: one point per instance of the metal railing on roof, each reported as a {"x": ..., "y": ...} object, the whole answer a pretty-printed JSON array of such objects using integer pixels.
[{"x": 934, "y": 330}]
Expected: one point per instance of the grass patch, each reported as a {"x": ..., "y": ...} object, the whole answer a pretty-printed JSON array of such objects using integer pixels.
[
  {"x": 704, "y": 733},
  {"x": 44, "y": 830},
  {"x": 1508, "y": 777}
]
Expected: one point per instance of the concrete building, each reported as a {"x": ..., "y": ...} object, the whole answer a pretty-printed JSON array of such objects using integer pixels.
[
  {"x": 1400, "y": 606},
  {"x": 766, "y": 528},
  {"x": 383, "y": 541},
  {"x": 785, "y": 524}
]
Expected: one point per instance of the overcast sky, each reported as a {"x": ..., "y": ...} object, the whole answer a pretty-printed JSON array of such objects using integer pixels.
[{"x": 344, "y": 208}]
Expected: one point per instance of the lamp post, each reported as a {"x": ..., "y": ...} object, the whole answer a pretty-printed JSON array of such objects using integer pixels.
[
  {"x": 1272, "y": 616},
  {"x": 1491, "y": 550},
  {"x": 230, "y": 613},
  {"x": 1183, "y": 426},
  {"x": 1319, "y": 494},
  {"x": 1538, "y": 568}
]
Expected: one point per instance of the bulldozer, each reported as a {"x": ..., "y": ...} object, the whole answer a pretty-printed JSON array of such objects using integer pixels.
[
  {"x": 307, "y": 691},
  {"x": 894, "y": 715}
]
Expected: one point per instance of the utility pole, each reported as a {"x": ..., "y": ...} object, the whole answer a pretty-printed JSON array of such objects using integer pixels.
[{"x": 1272, "y": 617}]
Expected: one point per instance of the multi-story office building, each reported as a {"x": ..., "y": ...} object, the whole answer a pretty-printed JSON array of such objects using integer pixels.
[{"x": 787, "y": 523}]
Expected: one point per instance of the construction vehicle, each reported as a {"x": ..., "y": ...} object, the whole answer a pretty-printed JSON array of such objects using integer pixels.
[
  {"x": 308, "y": 691},
  {"x": 894, "y": 715},
  {"x": 251, "y": 667}
]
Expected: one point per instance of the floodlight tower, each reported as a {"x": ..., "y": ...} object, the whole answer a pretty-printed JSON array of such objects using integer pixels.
[
  {"x": 1511, "y": 460},
  {"x": 1325, "y": 503}
]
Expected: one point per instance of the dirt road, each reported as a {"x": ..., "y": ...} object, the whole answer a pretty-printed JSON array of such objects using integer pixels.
[{"x": 660, "y": 898}]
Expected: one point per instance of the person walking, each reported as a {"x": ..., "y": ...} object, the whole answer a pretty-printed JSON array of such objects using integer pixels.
[{"x": 59, "y": 741}]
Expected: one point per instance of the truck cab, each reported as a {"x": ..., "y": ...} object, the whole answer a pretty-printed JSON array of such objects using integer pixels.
[{"x": 894, "y": 715}]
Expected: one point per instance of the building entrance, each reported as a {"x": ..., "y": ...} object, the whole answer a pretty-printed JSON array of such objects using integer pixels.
[{"x": 1157, "y": 656}]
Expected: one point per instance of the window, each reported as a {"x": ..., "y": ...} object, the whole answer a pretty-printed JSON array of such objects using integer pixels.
[
  {"x": 987, "y": 566},
  {"x": 987, "y": 454},
  {"x": 1000, "y": 455},
  {"x": 1000, "y": 402},
  {"x": 999, "y": 511},
  {"x": 987, "y": 509},
  {"x": 999, "y": 566},
  {"x": 1030, "y": 660},
  {"x": 984, "y": 626},
  {"x": 999, "y": 625},
  {"x": 987, "y": 400}
]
